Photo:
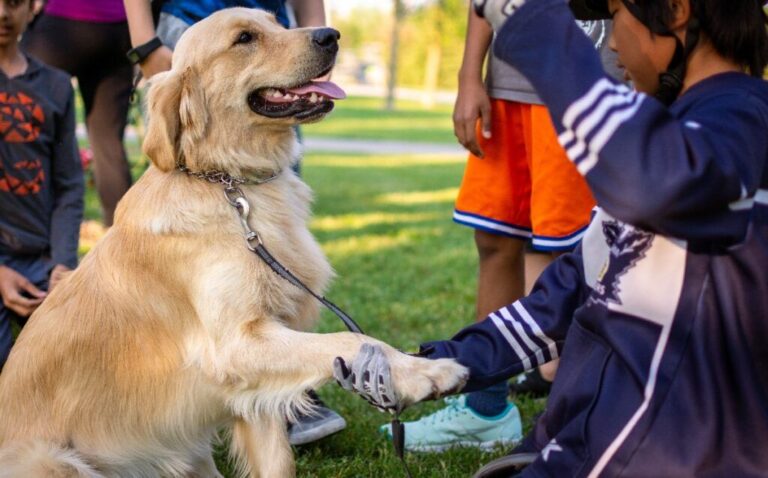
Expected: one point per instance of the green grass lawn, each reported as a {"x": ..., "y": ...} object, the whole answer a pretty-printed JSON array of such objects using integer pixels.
[{"x": 365, "y": 118}]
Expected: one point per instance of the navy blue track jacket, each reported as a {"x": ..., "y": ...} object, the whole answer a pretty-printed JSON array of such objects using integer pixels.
[{"x": 661, "y": 314}]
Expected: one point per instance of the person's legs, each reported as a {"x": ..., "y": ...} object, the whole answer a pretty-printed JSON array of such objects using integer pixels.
[
  {"x": 501, "y": 278},
  {"x": 501, "y": 281},
  {"x": 105, "y": 86},
  {"x": 561, "y": 202},
  {"x": 561, "y": 206},
  {"x": 494, "y": 199},
  {"x": 106, "y": 120}
]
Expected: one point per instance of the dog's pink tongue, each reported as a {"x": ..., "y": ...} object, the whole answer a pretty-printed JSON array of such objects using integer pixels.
[{"x": 325, "y": 88}]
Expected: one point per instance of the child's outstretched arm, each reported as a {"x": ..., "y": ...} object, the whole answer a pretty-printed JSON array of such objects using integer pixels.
[
  {"x": 522, "y": 335},
  {"x": 511, "y": 340}
]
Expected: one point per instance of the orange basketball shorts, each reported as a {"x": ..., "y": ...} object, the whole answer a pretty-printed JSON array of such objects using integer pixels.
[{"x": 525, "y": 186}]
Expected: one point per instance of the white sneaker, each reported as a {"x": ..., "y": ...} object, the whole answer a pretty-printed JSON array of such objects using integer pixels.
[{"x": 458, "y": 425}]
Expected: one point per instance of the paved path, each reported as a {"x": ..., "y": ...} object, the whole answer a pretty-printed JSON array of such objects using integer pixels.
[
  {"x": 342, "y": 145},
  {"x": 339, "y": 145}
]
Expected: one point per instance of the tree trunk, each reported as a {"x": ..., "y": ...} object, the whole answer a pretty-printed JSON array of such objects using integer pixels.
[
  {"x": 431, "y": 74},
  {"x": 394, "y": 46}
]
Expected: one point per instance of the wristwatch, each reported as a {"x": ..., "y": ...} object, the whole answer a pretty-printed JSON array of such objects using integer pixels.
[{"x": 141, "y": 52}]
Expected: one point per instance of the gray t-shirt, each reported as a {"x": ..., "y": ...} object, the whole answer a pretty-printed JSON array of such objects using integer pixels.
[{"x": 506, "y": 83}]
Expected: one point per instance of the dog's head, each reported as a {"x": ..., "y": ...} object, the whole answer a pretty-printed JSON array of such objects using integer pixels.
[{"x": 239, "y": 81}]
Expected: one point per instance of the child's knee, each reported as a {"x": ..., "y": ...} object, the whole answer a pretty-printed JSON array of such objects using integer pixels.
[{"x": 491, "y": 245}]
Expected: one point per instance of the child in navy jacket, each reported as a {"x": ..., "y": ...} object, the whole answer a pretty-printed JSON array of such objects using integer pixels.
[{"x": 660, "y": 314}]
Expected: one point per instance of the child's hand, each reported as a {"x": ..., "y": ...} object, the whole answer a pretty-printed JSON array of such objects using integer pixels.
[
  {"x": 58, "y": 272},
  {"x": 472, "y": 103},
  {"x": 12, "y": 287}
]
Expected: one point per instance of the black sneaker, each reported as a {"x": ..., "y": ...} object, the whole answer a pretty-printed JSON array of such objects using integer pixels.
[
  {"x": 530, "y": 383},
  {"x": 507, "y": 466},
  {"x": 319, "y": 423}
]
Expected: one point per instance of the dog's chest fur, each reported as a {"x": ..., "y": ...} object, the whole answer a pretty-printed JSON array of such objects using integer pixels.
[{"x": 200, "y": 228}]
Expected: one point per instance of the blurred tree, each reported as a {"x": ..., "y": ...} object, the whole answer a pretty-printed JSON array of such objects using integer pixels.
[
  {"x": 434, "y": 34},
  {"x": 398, "y": 15},
  {"x": 361, "y": 27},
  {"x": 422, "y": 41}
]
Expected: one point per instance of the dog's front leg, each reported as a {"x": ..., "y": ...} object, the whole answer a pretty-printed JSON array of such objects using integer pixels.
[
  {"x": 261, "y": 448},
  {"x": 280, "y": 364}
]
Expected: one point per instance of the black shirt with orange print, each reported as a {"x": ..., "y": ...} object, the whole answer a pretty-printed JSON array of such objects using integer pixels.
[{"x": 41, "y": 177}]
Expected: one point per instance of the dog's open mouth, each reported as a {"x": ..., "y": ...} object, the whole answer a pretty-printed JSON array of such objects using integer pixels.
[{"x": 302, "y": 102}]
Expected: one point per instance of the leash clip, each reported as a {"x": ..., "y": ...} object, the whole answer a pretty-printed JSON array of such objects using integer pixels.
[{"x": 237, "y": 200}]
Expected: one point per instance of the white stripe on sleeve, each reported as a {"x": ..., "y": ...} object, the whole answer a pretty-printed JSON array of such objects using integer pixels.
[
  {"x": 605, "y": 134},
  {"x": 607, "y": 106},
  {"x": 524, "y": 335},
  {"x": 585, "y": 102},
  {"x": 762, "y": 196},
  {"x": 512, "y": 342},
  {"x": 536, "y": 329}
]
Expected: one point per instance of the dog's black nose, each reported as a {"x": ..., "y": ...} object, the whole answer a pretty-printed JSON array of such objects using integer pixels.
[{"x": 326, "y": 38}]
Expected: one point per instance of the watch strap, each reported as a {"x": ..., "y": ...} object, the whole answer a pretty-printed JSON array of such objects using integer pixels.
[{"x": 140, "y": 53}]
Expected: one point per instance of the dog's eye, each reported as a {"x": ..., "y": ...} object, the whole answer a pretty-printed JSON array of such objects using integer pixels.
[{"x": 245, "y": 37}]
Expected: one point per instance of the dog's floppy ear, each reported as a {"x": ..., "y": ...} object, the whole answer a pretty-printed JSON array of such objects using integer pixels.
[
  {"x": 176, "y": 104},
  {"x": 161, "y": 143},
  {"x": 193, "y": 113}
]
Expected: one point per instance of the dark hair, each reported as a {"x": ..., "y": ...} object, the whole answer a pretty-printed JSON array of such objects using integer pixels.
[{"x": 737, "y": 29}]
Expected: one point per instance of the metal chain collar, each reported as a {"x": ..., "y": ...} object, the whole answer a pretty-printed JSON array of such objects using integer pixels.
[{"x": 229, "y": 181}]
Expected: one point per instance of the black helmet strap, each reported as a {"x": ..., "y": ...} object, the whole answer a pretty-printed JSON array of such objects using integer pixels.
[{"x": 670, "y": 81}]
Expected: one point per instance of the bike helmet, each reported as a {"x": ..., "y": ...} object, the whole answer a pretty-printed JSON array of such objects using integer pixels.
[{"x": 670, "y": 81}]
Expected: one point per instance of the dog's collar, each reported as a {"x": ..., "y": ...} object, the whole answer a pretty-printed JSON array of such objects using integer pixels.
[{"x": 221, "y": 177}]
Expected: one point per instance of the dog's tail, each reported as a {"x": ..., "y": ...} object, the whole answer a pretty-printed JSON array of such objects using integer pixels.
[{"x": 40, "y": 459}]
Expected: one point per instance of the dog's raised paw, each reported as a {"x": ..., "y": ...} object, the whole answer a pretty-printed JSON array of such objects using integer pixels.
[
  {"x": 449, "y": 377},
  {"x": 423, "y": 379}
]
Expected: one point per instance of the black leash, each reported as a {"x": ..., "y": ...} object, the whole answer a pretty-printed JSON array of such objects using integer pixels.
[
  {"x": 253, "y": 241},
  {"x": 236, "y": 198},
  {"x": 280, "y": 270},
  {"x": 398, "y": 441}
]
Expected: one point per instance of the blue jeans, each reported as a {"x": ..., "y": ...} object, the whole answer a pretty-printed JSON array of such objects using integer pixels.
[{"x": 36, "y": 269}]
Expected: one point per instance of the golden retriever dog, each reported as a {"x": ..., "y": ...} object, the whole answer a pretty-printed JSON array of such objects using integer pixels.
[{"x": 171, "y": 329}]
